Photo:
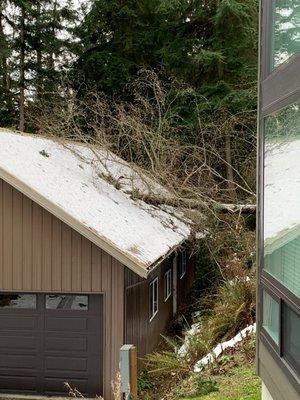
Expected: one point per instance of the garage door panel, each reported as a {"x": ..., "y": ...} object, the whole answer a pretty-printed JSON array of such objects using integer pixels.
[
  {"x": 15, "y": 383},
  {"x": 62, "y": 344},
  {"x": 64, "y": 323},
  {"x": 17, "y": 321},
  {"x": 18, "y": 361},
  {"x": 15, "y": 342},
  {"x": 55, "y": 385},
  {"x": 65, "y": 364}
]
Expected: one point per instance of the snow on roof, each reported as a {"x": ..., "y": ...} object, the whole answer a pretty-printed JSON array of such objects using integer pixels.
[
  {"x": 282, "y": 190},
  {"x": 90, "y": 189}
]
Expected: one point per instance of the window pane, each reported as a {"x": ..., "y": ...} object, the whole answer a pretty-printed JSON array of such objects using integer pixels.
[
  {"x": 182, "y": 265},
  {"x": 286, "y": 30},
  {"x": 281, "y": 197},
  {"x": 153, "y": 298},
  {"x": 66, "y": 302},
  {"x": 155, "y": 295},
  {"x": 291, "y": 335},
  {"x": 271, "y": 317},
  {"x": 168, "y": 280},
  {"x": 17, "y": 300}
]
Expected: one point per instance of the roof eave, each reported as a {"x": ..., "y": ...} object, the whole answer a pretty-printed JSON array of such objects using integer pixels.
[{"x": 58, "y": 212}]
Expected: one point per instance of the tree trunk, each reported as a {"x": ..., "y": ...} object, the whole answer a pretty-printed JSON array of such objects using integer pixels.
[
  {"x": 22, "y": 72},
  {"x": 3, "y": 56},
  {"x": 39, "y": 77}
]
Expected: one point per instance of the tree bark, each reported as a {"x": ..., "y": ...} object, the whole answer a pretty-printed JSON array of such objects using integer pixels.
[
  {"x": 3, "y": 56},
  {"x": 22, "y": 72},
  {"x": 39, "y": 77}
]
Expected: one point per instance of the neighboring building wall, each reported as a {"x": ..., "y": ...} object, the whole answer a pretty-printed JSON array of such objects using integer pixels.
[
  {"x": 279, "y": 386},
  {"x": 40, "y": 253},
  {"x": 265, "y": 394}
]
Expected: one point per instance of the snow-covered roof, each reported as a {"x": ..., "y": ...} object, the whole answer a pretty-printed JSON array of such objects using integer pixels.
[
  {"x": 91, "y": 190},
  {"x": 281, "y": 191}
]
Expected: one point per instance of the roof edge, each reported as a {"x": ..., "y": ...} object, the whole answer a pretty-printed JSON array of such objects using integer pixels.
[{"x": 58, "y": 212}]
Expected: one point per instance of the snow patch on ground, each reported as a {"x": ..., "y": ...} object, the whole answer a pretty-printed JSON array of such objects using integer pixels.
[{"x": 218, "y": 350}]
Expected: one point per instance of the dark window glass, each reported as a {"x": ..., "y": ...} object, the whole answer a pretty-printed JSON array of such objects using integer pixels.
[
  {"x": 18, "y": 300},
  {"x": 291, "y": 338},
  {"x": 66, "y": 302}
]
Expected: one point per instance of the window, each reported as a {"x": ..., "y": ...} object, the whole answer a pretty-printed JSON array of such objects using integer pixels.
[
  {"x": 291, "y": 342},
  {"x": 182, "y": 264},
  {"x": 18, "y": 300},
  {"x": 168, "y": 284},
  {"x": 271, "y": 316},
  {"x": 285, "y": 30},
  {"x": 281, "y": 194},
  {"x": 66, "y": 302},
  {"x": 153, "y": 298}
]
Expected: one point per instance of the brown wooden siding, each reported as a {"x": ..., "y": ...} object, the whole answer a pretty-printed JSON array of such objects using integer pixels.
[
  {"x": 40, "y": 253},
  {"x": 184, "y": 284},
  {"x": 139, "y": 330}
]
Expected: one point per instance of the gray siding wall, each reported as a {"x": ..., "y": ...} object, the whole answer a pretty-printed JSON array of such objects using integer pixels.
[{"x": 273, "y": 377}]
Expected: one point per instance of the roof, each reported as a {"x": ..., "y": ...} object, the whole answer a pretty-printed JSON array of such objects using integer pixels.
[
  {"x": 90, "y": 189},
  {"x": 281, "y": 192}
]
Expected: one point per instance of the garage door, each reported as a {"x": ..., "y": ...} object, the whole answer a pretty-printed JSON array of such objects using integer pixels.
[{"x": 47, "y": 339}]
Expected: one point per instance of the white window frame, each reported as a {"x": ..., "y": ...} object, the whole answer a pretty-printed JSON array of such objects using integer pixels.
[
  {"x": 182, "y": 265},
  {"x": 153, "y": 298},
  {"x": 168, "y": 284}
]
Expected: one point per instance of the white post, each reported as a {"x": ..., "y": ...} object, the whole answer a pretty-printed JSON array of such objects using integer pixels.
[{"x": 128, "y": 370}]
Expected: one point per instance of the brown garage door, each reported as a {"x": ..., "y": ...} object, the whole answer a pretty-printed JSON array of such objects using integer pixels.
[{"x": 47, "y": 339}]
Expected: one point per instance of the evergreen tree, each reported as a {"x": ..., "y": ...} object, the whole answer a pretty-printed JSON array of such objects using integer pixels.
[
  {"x": 38, "y": 45},
  {"x": 7, "y": 113}
]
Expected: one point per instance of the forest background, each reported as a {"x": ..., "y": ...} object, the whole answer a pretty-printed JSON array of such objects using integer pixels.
[{"x": 171, "y": 87}]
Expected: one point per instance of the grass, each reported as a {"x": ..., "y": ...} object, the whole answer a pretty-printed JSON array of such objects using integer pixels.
[{"x": 240, "y": 383}]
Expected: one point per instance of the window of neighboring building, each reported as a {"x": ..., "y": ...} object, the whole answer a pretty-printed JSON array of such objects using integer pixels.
[
  {"x": 271, "y": 316},
  {"x": 168, "y": 284},
  {"x": 182, "y": 264},
  {"x": 153, "y": 298},
  {"x": 291, "y": 337},
  {"x": 286, "y": 30}
]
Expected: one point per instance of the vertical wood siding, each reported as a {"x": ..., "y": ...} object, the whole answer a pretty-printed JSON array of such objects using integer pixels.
[
  {"x": 40, "y": 253},
  {"x": 139, "y": 330}
]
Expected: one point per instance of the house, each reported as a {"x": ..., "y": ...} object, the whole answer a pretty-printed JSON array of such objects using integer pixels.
[
  {"x": 85, "y": 266},
  {"x": 278, "y": 345}
]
